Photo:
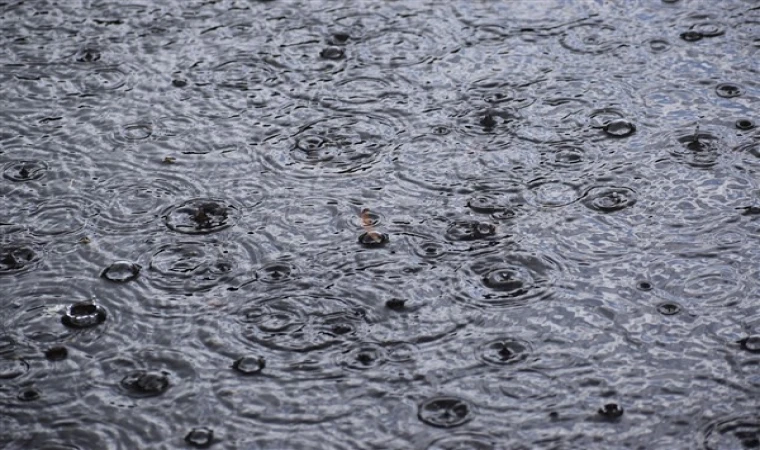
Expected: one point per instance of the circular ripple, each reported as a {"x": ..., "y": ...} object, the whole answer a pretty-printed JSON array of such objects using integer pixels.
[
  {"x": 19, "y": 257},
  {"x": 103, "y": 79},
  {"x": 202, "y": 216},
  {"x": 697, "y": 149},
  {"x": 134, "y": 132},
  {"x": 619, "y": 128},
  {"x": 591, "y": 39},
  {"x": 571, "y": 157},
  {"x": 609, "y": 199},
  {"x": 145, "y": 383},
  {"x": 62, "y": 216},
  {"x": 553, "y": 193},
  {"x": 470, "y": 231},
  {"x": 301, "y": 323},
  {"x": 728, "y": 90},
  {"x": 12, "y": 368},
  {"x": 512, "y": 280},
  {"x": 734, "y": 433},
  {"x": 25, "y": 170},
  {"x": 277, "y": 272},
  {"x": 333, "y": 146},
  {"x": 504, "y": 351},
  {"x": 701, "y": 281},
  {"x": 445, "y": 412},
  {"x": 394, "y": 47},
  {"x": 121, "y": 272},
  {"x": 195, "y": 266},
  {"x": 463, "y": 441},
  {"x": 363, "y": 356}
]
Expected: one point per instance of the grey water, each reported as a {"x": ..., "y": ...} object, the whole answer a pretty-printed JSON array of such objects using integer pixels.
[{"x": 376, "y": 224}]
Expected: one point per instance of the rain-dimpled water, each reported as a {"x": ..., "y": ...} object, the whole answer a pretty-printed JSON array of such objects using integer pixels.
[{"x": 377, "y": 224}]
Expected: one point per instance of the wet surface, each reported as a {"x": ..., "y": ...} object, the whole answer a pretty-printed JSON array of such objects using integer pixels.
[{"x": 379, "y": 225}]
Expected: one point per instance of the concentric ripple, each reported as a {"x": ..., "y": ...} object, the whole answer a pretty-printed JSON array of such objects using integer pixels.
[
  {"x": 742, "y": 432},
  {"x": 503, "y": 351},
  {"x": 196, "y": 266},
  {"x": 609, "y": 199},
  {"x": 445, "y": 412},
  {"x": 591, "y": 38},
  {"x": 301, "y": 323},
  {"x": 202, "y": 216},
  {"x": 697, "y": 149},
  {"x": 25, "y": 170},
  {"x": 19, "y": 257},
  {"x": 333, "y": 146},
  {"x": 511, "y": 280}
]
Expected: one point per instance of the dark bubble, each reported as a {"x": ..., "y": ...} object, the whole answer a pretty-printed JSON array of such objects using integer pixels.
[
  {"x": 445, "y": 412},
  {"x": 395, "y": 304},
  {"x": 179, "y": 83},
  {"x": 340, "y": 38},
  {"x": 340, "y": 329},
  {"x": 29, "y": 395},
  {"x": 333, "y": 53},
  {"x": 249, "y": 365},
  {"x": 57, "y": 353},
  {"x": 144, "y": 383},
  {"x": 619, "y": 128},
  {"x": 611, "y": 411},
  {"x": 668, "y": 309},
  {"x": 484, "y": 204},
  {"x": 25, "y": 170},
  {"x": 644, "y": 285},
  {"x": 751, "y": 210},
  {"x": 691, "y": 36},
  {"x": 728, "y": 90},
  {"x": 488, "y": 122},
  {"x": 201, "y": 216},
  {"x": 745, "y": 124},
  {"x": 503, "y": 351},
  {"x": 609, "y": 199},
  {"x": 84, "y": 315},
  {"x": 432, "y": 249},
  {"x": 200, "y": 437},
  {"x": 121, "y": 272},
  {"x": 373, "y": 239},
  {"x": 750, "y": 344},
  {"x": 510, "y": 282},
  {"x": 469, "y": 231},
  {"x": 17, "y": 258}
]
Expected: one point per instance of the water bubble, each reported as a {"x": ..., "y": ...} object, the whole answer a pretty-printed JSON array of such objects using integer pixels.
[
  {"x": 202, "y": 216},
  {"x": 611, "y": 411},
  {"x": 620, "y": 128},
  {"x": 469, "y": 231},
  {"x": 708, "y": 29},
  {"x": 445, "y": 412},
  {"x": 145, "y": 383},
  {"x": 644, "y": 285},
  {"x": 84, "y": 315},
  {"x": 750, "y": 344},
  {"x": 57, "y": 353},
  {"x": 728, "y": 90},
  {"x": 29, "y": 395},
  {"x": 668, "y": 309},
  {"x": 609, "y": 199},
  {"x": 745, "y": 124},
  {"x": 25, "y": 170},
  {"x": 200, "y": 437},
  {"x": 17, "y": 258},
  {"x": 121, "y": 272},
  {"x": 504, "y": 351},
  {"x": 373, "y": 239},
  {"x": 334, "y": 53},
  {"x": 249, "y": 365},
  {"x": 484, "y": 204}
]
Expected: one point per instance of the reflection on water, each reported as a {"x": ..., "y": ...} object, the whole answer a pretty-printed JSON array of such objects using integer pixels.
[{"x": 363, "y": 224}]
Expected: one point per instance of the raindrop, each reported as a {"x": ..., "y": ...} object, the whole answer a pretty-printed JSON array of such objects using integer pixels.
[
  {"x": 249, "y": 365},
  {"x": 29, "y": 395},
  {"x": 504, "y": 351},
  {"x": 470, "y": 231},
  {"x": 728, "y": 90},
  {"x": 144, "y": 383},
  {"x": 83, "y": 315},
  {"x": 373, "y": 239},
  {"x": 668, "y": 309},
  {"x": 56, "y": 353},
  {"x": 445, "y": 412},
  {"x": 200, "y": 437},
  {"x": 745, "y": 124},
  {"x": 609, "y": 199},
  {"x": 25, "y": 170},
  {"x": 510, "y": 282},
  {"x": 750, "y": 343},
  {"x": 611, "y": 411},
  {"x": 333, "y": 53},
  {"x": 121, "y": 272},
  {"x": 619, "y": 128},
  {"x": 276, "y": 272}
]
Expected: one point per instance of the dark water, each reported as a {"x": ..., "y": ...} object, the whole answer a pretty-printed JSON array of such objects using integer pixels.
[{"x": 470, "y": 224}]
